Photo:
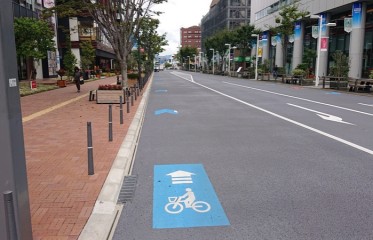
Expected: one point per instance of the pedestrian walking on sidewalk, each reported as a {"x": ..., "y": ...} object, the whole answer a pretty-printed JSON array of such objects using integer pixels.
[{"x": 77, "y": 75}]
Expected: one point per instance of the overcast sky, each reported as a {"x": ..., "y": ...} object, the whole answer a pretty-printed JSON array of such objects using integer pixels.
[{"x": 178, "y": 14}]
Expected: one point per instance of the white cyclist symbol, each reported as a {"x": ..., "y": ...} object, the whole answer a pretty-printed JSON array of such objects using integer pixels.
[{"x": 175, "y": 205}]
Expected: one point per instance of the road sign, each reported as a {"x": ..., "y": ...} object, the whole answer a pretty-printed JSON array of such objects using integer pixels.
[{"x": 193, "y": 203}]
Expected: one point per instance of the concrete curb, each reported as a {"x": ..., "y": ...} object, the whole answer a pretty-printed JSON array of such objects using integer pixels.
[{"x": 105, "y": 211}]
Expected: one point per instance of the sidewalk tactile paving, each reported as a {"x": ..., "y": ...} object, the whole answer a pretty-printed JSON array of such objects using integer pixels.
[{"x": 62, "y": 194}]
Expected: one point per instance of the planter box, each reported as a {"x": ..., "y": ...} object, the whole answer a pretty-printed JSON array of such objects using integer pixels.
[
  {"x": 61, "y": 83},
  {"x": 109, "y": 96}
]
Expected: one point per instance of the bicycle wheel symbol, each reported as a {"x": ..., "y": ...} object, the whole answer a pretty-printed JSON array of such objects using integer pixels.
[
  {"x": 174, "y": 207},
  {"x": 200, "y": 206}
]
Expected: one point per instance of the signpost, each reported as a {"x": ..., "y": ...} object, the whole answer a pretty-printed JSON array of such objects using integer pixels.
[{"x": 15, "y": 220}]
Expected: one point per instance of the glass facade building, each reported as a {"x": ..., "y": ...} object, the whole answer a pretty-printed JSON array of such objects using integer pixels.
[{"x": 356, "y": 43}]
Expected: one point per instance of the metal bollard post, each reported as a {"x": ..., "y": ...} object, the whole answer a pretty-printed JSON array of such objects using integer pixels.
[
  {"x": 10, "y": 219},
  {"x": 131, "y": 99},
  {"x": 121, "y": 109},
  {"x": 128, "y": 104},
  {"x": 135, "y": 93},
  {"x": 91, "y": 169},
  {"x": 138, "y": 91},
  {"x": 110, "y": 123}
]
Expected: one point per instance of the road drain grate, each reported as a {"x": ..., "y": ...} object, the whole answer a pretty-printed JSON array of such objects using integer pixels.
[{"x": 128, "y": 189}]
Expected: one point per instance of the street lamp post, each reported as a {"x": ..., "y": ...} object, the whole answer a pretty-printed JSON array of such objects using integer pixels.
[
  {"x": 200, "y": 59},
  {"x": 256, "y": 57},
  {"x": 229, "y": 57},
  {"x": 188, "y": 63},
  {"x": 317, "y": 72},
  {"x": 213, "y": 56},
  {"x": 195, "y": 65}
]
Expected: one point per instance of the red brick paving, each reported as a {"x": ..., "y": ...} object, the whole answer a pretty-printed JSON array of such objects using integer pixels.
[{"x": 62, "y": 195}]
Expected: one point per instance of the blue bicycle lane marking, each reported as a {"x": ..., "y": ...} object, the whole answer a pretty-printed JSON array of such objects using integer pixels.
[{"x": 198, "y": 206}]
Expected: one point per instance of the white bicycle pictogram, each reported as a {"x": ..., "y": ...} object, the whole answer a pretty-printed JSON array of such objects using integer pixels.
[{"x": 175, "y": 205}]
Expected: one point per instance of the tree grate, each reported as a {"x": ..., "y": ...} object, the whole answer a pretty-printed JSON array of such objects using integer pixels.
[{"x": 128, "y": 189}]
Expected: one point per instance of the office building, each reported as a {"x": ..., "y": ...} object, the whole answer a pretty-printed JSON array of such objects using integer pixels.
[
  {"x": 225, "y": 14},
  {"x": 190, "y": 37},
  {"x": 353, "y": 33}
]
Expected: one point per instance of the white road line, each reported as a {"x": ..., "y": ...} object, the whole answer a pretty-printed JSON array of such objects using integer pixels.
[
  {"x": 178, "y": 75},
  {"x": 324, "y": 116},
  {"x": 351, "y": 144},
  {"x": 369, "y": 105},
  {"x": 303, "y": 99}
]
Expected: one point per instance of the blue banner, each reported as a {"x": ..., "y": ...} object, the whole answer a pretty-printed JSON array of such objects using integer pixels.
[
  {"x": 264, "y": 39},
  {"x": 357, "y": 15},
  {"x": 323, "y": 24},
  {"x": 297, "y": 30},
  {"x": 183, "y": 196}
]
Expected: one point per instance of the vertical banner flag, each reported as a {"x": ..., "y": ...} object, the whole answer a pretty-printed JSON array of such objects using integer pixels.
[
  {"x": 297, "y": 30},
  {"x": 264, "y": 39},
  {"x": 324, "y": 44},
  {"x": 278, "y": 38},
  {"x": 323, "y": 24},
  {"x": 260, "y": 52},
  {"x": 273, "y": 41},
  {"x": 356, "y": 15},
  {"x": 315, "y": 31},
  {"x": 348, "y": 24},
  {"x": 291, "y": 38}
]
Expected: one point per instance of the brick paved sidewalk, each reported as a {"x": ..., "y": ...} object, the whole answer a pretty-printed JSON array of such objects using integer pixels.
[{"x": 62, "y": 195}]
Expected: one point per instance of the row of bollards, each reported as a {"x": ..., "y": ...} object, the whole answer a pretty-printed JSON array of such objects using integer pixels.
[{"x": 130, "y": 95}]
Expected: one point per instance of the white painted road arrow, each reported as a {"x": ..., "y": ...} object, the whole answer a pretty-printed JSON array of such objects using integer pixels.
[
  {"x": 181, "y": 177},
  {"x": 324, "y": 116}
]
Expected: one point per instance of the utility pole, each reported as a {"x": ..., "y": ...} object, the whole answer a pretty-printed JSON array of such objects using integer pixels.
[{"x": 15, "y": 220}]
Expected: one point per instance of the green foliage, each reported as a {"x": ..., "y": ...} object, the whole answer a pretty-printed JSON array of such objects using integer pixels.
[
  {"x": 286, "y": 20},
  {"x": 69, "y": 59},
  {"x": 237, "y": 37},
  {"x": 341, "y": 65},
  {"x": 33, "y": 38},
  {"x": 87, "y": 54},
  {"x": 298, "y": 72},
  {"x": 133, "y": 75},
  {"x": 185, "y": 52},
  {"x": 150, "y": 41},
  {"x": 371, "y": 74},
  {"x": 264, "y": 67}
]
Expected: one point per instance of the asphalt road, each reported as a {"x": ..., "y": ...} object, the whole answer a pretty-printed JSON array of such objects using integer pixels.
[{"x": 285, "y": 162}]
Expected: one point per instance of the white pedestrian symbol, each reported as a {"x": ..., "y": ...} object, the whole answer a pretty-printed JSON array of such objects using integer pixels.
[{"x": 175, "y": 205}]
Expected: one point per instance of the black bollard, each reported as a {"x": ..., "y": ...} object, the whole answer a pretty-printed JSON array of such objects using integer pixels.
[
  {"x": 135, "y": 93},
  {"x": 91, "y": 169},
  {"x": 128, "y": 104},
  {"x": 10, "y": 219},
  {"x": 131, "y": 99},
  {"x": 121, "y": 109},
  {"x": 110, "y": 123}
]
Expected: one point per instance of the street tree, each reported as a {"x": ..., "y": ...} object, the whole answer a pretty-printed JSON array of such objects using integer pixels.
[
  {"x": 87, "y": 54},
  {"x": 33, "y": 38},
  {"x": 150, "y": 42},
  {"x": 119, "y": 22},
  {"x": 69, "y": 60},
  {"x": 186, "y": 53},
  {"x": 286, "y": 19}
]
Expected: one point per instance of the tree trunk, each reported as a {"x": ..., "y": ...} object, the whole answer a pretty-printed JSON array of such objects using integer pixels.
[{"x": 123, "y": 68}]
